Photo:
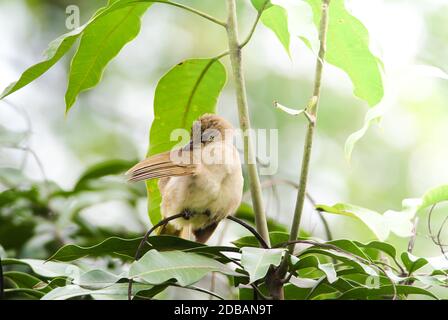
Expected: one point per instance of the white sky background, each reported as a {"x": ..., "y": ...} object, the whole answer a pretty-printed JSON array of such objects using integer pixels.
[{"x": 397, "y": 32}]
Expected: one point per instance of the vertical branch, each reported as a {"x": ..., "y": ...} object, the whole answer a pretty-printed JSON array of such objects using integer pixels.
[
  {"x": 2, "y": 283},
  {"x": 312, "y": 124},
  {"x": 243, "y": 113}
]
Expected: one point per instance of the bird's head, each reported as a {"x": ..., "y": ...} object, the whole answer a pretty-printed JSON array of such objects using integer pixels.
[{"x": 212, "y": 128}]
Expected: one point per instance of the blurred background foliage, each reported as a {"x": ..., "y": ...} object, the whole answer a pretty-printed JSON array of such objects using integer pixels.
[{"x": 60, "y": 176}]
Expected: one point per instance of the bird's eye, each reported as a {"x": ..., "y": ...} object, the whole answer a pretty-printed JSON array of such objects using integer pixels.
[{"x": 212, "y": 138}]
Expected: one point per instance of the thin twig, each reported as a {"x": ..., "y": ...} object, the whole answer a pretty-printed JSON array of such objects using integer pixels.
[
  {"x": 311, "y": 125},
  {"x": 243, "y": 115},
  {"x": 2, "y": 281},
  {"x": 211, "y": 293},
  {"x": 276, "y": 181},
  {"x": 178, "y": 5},
  {"x": 251, "y": 229},
  {"x": 411, "y": 243},
  {"x": 254, "y": 25},
  {"x": 143, "y": 242}
]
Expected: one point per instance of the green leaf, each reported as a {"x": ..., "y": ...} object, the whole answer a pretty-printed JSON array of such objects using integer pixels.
[
  {"x": 118, "y": 291},
  {"x": 343, "y": 257},
  {"x": 110, "y": 246},
  {"x": 47, "y": 269},
  {"x": 434, "y": 196},
  {"x": 256, "y": 261},
  {"x": 387, "y": 290},
  {"x": 412, "y": 263},
  {"x": 261, "y": 4},
  {"x": 99, "y": 170},
  {"x": 97, "y": 279},
  {"x": 381, "y": 225},
  {"x": 329, "y": 270},
  {"x": 187, "y": 268},
  {"x": 56, "y": 50},
  {"x": 250, "y": 241},
  {"x": 373, "y": 220},
  {"x": 348, "y": 49},
  {"x": 23, "y": 280},
  {"x": 186, "y": 92},
  {"x": 372, "y": 116},
  {"x": 276, "y": 19},
  {"x": 101, "y": 41},
  {"x": 126, "y": 248},
  {"x": 378, "y": 246},
  {"x": 349, "y": 246}
]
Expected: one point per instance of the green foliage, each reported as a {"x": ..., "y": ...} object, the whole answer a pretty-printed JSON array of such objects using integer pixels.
[
  {"x": 101, "y": 41},
  {"x": 275, "y": 18},
  {"x": 381, "y": 225},
  {"x": 187, "y": 91},
  {"x": 187, "y": 268},
  {"x": 348, "y": 49},
  {"x": 256, "y": 261},
  {"x": 336, "y": 269},
  {"x": 56, "y": 50}
]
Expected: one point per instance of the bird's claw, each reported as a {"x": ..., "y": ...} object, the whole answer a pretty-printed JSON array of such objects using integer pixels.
[{"x": 187, "y": 214}]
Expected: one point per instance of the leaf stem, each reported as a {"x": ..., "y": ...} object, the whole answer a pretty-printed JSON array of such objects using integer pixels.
[
  {"x": 187, "y": 8},
  {"x": 243, "y": 113},
  {"x": 2, "y": 283},
  {"x": 311, "y": 125},
  {"x": 254, "y": 26},
  {"x": 252, "y": 230}
]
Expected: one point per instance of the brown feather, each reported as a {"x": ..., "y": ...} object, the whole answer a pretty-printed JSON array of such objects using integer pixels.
[{"x": 159, "y": 166}]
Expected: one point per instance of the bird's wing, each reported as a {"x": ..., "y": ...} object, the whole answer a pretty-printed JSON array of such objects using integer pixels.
[{"x": 160, "y": 166}]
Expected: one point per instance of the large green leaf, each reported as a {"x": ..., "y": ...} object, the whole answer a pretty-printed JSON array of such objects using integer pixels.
[
  {"x": 348, "y": 49},
  {"x": 256, "y": 261},
  {"x": 381, "y": 225},
  {"x": 25, "y": 280},
  {"x": 101, "y": 41},
  {"x": 186, "y": 92},
  {"x": 361, "y": 293},
  {"x": 110, "y": 246},
  {"x": 276, "y": 19},
  {"x": 348, "y": 259},
  {"x": 99, "y": 170},
  {"x": 187, "y": 268},
  {"x": 412, "y": 263},
  {"x": 126, "y": 248},
  {"x": 56, "y": 50},
  {"x": 118, "y": 291},
  {"x": 47, "y": 269}
]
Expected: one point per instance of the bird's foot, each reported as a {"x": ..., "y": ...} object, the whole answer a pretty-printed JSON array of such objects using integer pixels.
[{"x": 187, "y": 214}]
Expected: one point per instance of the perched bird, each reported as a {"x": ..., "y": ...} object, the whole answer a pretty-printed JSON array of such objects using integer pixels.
[{"x": 203, "y": 179}]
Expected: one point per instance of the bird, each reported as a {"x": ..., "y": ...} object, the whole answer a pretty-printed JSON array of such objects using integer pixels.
[{"x": 203, "y": 179}]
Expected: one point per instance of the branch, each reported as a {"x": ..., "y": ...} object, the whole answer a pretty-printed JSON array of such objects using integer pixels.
[
  {"x": 251, "y": 229},
  {"x": 211, "y": 293},
  {"x": 243, "y": 113},
  {"x": 311, "y": 125},
  {"x": 2, "y": 281},
  {"x": 145, "y": 238},
  {"x": 178, "y": 5}
]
